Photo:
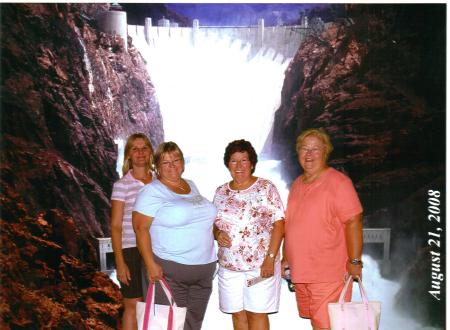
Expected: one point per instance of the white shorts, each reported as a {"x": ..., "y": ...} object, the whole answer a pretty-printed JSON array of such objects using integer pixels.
[{"x": 235, "y": 296}]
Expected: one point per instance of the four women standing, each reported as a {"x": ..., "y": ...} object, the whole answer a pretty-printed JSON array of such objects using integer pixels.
[{"x": 175, "y": 236}]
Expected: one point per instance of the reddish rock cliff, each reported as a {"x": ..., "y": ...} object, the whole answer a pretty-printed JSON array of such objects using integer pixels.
[
  {"x": 378, "y": 87},
  {"x": 67, "y": 91}
]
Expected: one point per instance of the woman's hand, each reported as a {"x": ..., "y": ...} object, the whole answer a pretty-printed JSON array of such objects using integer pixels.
[
  {"x": 354, "y": 270},
  {"x": 223, "y": 239},
  {"x": 154, "y": 272},
  {"x": 276, "y": 236},
  {"x": 123, "y": 273},
  {"x": 267, "y": 267}
]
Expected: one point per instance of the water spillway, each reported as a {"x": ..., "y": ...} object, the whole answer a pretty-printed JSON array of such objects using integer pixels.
[
  {"x": 215, "y": 85},
  {"x": 222, "y": 81}
]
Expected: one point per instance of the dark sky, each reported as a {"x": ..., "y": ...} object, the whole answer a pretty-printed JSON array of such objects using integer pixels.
[
  {"x": 219, "y": 14},
  {"x": 242, "y": 13}
]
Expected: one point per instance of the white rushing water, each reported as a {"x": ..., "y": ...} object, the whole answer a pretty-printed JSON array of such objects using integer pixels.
[{"x": 210, "y": 95}]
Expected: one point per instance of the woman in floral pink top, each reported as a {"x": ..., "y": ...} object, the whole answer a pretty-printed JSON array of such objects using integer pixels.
[{"x": 249, "y": 229}]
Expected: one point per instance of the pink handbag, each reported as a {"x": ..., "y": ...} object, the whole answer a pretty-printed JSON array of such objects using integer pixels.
[
  {"x": 160, "y": 317},
  {"x": 360, "y": 315}
]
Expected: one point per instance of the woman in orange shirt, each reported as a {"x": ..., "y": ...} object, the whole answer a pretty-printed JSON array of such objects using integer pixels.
[{"x": 323, "y": 230}]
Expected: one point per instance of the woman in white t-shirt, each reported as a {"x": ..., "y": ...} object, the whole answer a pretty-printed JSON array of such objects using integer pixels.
[
  {"x": 137, "y": 165},
  {"x": 249, "y": 229},
  {"x": 173, "y": 225}
]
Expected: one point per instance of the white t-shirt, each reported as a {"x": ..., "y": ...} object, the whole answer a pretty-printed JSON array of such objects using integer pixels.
[
  {"x": 247, "y": 216},
  {"x": 182, "y": 225},
  {"x": 126, "y": 189}
]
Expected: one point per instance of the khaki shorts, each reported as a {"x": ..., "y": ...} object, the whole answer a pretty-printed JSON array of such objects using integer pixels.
[{"x": 313, "y": 299}]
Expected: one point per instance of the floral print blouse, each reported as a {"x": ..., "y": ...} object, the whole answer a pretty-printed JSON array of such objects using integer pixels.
[{"x": 247, "y": 216}]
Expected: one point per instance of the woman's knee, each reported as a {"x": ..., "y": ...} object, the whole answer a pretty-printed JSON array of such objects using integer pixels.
[
  {"x": 129, "y": 304},
  {"x": 240, "y": 320},
  {"x": 258, "y": 320}
]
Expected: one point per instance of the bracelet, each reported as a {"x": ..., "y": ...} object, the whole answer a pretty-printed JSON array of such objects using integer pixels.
[
  {"x": 356, "y": 262},
  {"x": 270, "y": 255}
]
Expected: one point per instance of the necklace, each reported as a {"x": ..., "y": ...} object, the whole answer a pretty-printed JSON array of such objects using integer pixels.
[
  {"x": 175, "y": 185},
  {"x": 243, "y": 184},
  {"x": 143, "y": 178}
]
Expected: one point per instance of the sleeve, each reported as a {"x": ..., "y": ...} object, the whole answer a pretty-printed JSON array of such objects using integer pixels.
[
  {"x": 275, "y": 203},
  {"x": 147, "y": 201},
  {"x": 215, "y": 197},
  {"x": 347, "y": 203},
  {"x": 119, "y": 191}
]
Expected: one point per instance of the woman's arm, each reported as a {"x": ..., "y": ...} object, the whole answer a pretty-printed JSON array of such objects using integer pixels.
[
  {"x": 354, "y": 240},
  {"x": 221, "y": 237},
  {"x": 117, "y": 209},
  {"x": 267, "y": 268},
  {"x": 141, "y": 226}
]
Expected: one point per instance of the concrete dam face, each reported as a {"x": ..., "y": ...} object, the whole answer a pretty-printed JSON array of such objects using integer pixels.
[
  {"x": 213, "y": 84},
  {"x": 224, "y": 81},
  {"x": 229, "y": 76},
  {"x": 279, "y": 42}
]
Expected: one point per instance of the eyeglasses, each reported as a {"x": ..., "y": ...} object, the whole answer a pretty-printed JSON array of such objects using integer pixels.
[
  {"x": 174, "y": 162},
  {"x": 314, "y": 150},
  {"x": 241, "y": 161}
]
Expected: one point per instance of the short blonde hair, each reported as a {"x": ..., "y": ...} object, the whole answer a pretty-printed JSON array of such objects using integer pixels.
[
  {"x": 127, "y": 164},
  {"x": 166, "y": 148},
  {"x": 320, "y": 134}
]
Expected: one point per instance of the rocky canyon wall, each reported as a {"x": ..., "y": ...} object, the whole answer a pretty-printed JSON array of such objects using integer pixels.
[
  {"x": 376, "y": 83},
  {"x": 67, "y": 91}
]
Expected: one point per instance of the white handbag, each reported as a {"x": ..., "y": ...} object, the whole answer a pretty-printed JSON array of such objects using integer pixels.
[
  {"x": 360, "y": 315},
  {"x": 151, "y": 316}
]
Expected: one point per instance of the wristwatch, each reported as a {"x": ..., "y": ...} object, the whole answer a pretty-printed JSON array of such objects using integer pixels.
[{"x": 356, "y": 262}]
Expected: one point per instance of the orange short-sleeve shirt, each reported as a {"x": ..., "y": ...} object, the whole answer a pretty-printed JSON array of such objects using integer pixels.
[{"x": 314, "y": 227}]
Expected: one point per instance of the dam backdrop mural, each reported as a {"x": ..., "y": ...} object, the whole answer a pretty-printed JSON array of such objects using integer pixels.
[{"x": 76, "y": 83}]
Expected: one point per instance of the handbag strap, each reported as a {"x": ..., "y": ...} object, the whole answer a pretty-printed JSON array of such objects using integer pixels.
[
  {"x": 361, "y": 290},
  {"x": 369, "y": 313},
  {"x": 168, "y": 292},
  {"x": 344, "y": 290},
  {"x": 150, "y": 302}
]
